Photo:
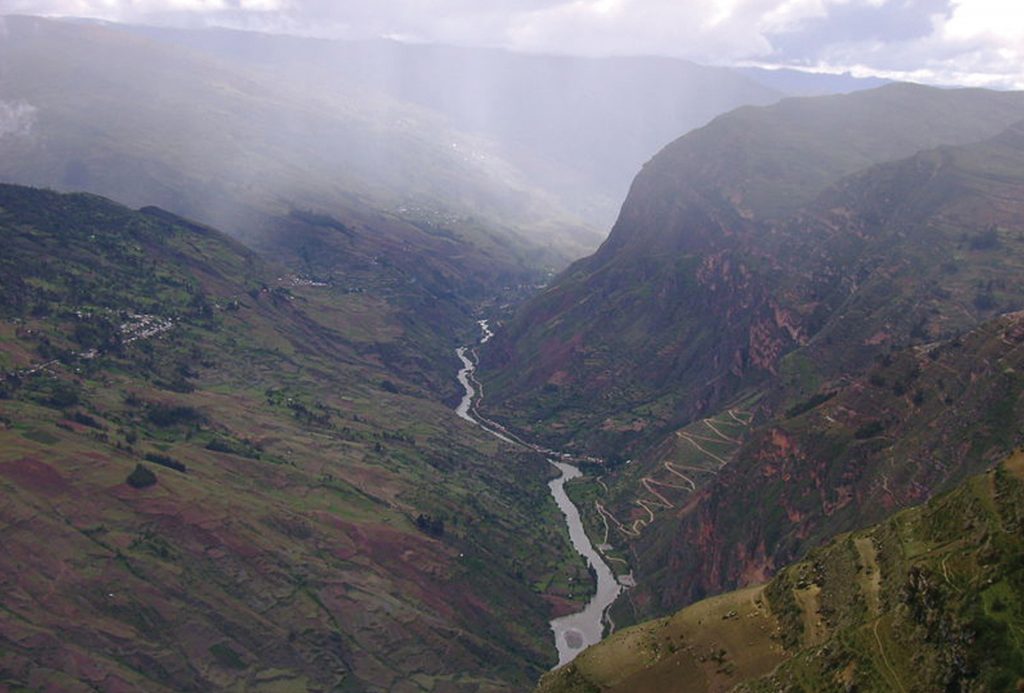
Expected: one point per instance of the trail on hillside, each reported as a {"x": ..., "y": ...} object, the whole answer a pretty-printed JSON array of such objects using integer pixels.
[{"x": 681, "y": 475}]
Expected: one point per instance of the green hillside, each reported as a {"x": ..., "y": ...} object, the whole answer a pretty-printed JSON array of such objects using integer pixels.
[
  {"x": 928, "y": 600},
  {"x": 317, "y": 521},
  {"x": 918, "y": 421}
]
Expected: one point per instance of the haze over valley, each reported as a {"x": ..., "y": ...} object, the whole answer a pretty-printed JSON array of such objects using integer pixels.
[{"x": 491, "y": 349}]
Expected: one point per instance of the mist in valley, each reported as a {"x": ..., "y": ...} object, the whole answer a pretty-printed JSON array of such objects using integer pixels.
[
  {"x": 441, "y": 346},
  {"x": 524, "y": 157}
]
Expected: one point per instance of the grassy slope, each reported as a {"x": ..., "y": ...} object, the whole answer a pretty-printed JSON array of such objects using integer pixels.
[
  {"x": 287, "y": 554},
  {"x": 917, "y": 422},
  {"x": 928, "y": 600}
]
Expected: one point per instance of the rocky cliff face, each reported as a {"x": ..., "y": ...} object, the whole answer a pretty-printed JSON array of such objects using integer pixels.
[
  {"x": 857, "y": 341},
  {"x": 732, "y": 250},
  {"x": 918, "y": 421},
  {"x": 888, "y": 399}
]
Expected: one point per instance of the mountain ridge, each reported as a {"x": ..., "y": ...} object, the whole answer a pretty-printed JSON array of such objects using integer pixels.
[{"x": 691, "y": 252}]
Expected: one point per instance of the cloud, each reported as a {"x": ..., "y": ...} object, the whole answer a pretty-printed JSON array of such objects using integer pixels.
[
  {"x": 858, "y": 23},
  {"x": 964, "y": 42},
  {"x": 17, "y": 118},
  {"x": 948, "y": 41}
]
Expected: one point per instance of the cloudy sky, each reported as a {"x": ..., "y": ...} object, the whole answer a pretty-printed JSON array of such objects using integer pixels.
[{"x": 971, "y": 42}]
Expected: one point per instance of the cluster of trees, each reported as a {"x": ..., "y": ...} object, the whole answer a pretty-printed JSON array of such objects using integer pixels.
[
  {"x": 166, "y": 461},
  {"x": 165, "y": 415},
  {"x": 433, "y": 526}
]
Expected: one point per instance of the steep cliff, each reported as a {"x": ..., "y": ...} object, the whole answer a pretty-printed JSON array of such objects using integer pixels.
[
  {"x": 734, "y": 248},
  {"x": 890, "y": 377}
]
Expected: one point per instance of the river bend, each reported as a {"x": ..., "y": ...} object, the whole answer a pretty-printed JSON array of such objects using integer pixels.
[{"x": 575, "y": 632}]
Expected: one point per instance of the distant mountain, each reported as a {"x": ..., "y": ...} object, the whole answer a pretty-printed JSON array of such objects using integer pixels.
[
  {"x": 524, "y": 159},
  {"x": 802, "y": 83},
  {"x": 405, "y": 170},
  {"x": 732, "y": 251},
  {"x": 581, "y": 127},
  {"x": 216, "y": 474},
  {"x": 928, "y": 600},
  {"x": 147, "y": 122}
]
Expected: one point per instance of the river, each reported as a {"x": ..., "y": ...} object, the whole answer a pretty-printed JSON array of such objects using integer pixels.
[{"x": 574, "y": 632}]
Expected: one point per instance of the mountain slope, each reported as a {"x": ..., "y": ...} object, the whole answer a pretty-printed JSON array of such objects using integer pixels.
[
  {"x": 713, "y": 271},
  {"x": 889, "y": 380},
  {"x": 928, "y": 600},
  {"x": 338, "y": 185},
  {"x": 916, "y": 423},
  {"x": 147, "y": 122},
  {"x": 317, "y": 520}
]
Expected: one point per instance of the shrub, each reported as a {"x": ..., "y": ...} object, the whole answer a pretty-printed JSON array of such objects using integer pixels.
[
  {"x": 433, "y": 526},
  {"x": 869, "y": 430},
  {"x": 221, "y": 445},
  {"x": 226, "y": 656},
  {"x": 165, "y": 461},
  {"x": 985, "y": 240},
  {"x": 809, "y": 404},
  {"x": 86, "y": 420},
  {"x": 984, "y": 300},
  {"x": 170, "y": 415},
  {"x": 141, "y": 477},
  {"x": 63, "y": 395}
]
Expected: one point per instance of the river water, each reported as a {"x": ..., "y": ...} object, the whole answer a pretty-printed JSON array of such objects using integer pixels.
[{"x": 574, "y": 632}]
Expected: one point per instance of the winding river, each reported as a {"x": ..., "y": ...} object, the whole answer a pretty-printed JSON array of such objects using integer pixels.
[{"x": 574, "y": 632}]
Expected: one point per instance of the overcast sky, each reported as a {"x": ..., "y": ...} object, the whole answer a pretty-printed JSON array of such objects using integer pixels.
[{"x": 970, "y": 42}]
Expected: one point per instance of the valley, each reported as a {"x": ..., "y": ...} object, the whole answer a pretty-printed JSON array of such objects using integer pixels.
[
  {"x": 321, "y": 373},
  {"x": 308, "y": 500},
  {"x": 573, "y": 632}
]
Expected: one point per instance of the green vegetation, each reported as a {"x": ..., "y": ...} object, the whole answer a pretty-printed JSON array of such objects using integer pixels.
[
  {"x": 166, "y": 461},
  {"x": 141, "y": 477},
  {"x": 226, "y": 656},
  {"x": 809, "y": 403},
  {"x": 928, "y": 600},
  {"x": 281, "y": 539}
]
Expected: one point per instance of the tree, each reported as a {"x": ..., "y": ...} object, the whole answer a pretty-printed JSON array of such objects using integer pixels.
[
  {"x": 434, "y": 526},
  {"x": 141, "y": 477}
]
